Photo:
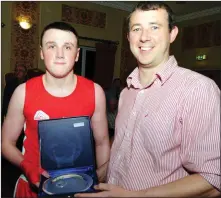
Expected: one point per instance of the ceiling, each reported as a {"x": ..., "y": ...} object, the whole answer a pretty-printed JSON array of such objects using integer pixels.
[
  {"x": 182, "y": 9},
  {"x": 186, "y": 7}
]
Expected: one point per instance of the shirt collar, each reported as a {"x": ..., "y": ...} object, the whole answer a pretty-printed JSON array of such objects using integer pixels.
[{"x": 163, "y": 75}]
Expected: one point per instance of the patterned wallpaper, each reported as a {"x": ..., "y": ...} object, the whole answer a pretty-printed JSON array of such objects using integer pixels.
[
  {"x": 25, "y": 43},
  {"x": 83, "y": 16}
]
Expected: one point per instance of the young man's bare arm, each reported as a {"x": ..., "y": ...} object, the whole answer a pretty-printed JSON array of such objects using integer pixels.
[
  {"x": 100, "y": 128},
  {"x": 13, "y": 125}
]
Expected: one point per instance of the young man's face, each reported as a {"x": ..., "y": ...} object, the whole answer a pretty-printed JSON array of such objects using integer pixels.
[
  {"x": 149, "y": 37},
  {"x": 59, "y": 52}
]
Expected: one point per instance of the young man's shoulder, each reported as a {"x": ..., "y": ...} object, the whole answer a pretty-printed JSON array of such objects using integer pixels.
[
  {"x": 34, "y": 79},
  {"x": 85, "y": 80}
]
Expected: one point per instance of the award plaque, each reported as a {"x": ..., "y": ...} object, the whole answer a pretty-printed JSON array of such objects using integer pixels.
[
  {"x": 67, "y": 183},
  {"x": 67, "y": 153}
]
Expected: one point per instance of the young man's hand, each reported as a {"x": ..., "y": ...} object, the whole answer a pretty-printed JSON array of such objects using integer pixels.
[{"x": 33, "y": 172}]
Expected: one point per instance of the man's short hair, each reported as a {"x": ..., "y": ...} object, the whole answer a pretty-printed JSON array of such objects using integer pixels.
[
  {"x": 154, "y": 5},
  {"x": 59, "y": 25}
]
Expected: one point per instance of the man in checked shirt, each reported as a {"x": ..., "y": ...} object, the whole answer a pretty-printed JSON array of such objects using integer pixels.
[{"x": 167, "y": 138}]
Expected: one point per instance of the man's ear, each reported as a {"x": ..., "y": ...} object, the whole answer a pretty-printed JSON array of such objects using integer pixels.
[
  {"x": 78, "y": 53},
  {"x": 128, "y": 38},
  {"x": 173, "y": 34},
  {"x": 41, "y": 53}
]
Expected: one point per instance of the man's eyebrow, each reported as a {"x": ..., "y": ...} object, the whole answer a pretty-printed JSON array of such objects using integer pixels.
[
  {"x": 69, "y": 43},
  {"x": 155, "y": 23},
  {"x": 66, "y": 43},
  {"x": 49, "y": 42},
  {"x": 150, "y": 23},
  {"x": 136, "y": 24}
]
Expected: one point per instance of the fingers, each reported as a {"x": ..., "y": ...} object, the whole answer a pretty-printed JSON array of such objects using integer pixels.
[
  {"x": 37, "y": 184},
  {"x": 45, "y": 173},
  {"x": 102, "y": 186},
  {"x": 100, "y": 194},
  {"x": 86, "y": 195}
]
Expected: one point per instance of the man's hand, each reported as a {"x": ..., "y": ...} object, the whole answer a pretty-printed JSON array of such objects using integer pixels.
[
  {"x": 33, "y": 172},
  {"x": 108, "y": 190}
]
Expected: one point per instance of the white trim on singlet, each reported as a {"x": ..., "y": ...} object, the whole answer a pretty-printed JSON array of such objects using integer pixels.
[{"x": 21, "y": 177}]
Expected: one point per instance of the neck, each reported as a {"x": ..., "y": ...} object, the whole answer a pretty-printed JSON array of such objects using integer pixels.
[
  {"x": 148, "y": 74},
  {"x": 60, "y": 87}
]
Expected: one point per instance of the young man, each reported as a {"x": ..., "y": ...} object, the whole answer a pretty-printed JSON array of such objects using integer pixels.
[
  {"x": 167, "y": 138},
  {"x": 56, "y": 94}
]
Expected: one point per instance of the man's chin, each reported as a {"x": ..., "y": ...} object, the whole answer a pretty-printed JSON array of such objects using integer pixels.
[
  {"x": 60, "y": 75},
  {"x": 144, "y": 63}
]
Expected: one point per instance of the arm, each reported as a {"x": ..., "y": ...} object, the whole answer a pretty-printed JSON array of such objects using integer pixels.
[
  {"x": 13, "y": 125},
  {"x": 12, "y": 128},
  {"x": 100, "y": 130},
  {"x": 189, "y": 186}
]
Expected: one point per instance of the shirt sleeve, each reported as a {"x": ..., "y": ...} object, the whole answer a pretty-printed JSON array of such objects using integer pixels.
[{"x": 200, "y": 136}]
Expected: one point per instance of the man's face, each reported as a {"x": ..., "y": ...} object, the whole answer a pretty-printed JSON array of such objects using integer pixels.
[
  {"x": 59, "y": 52},
  {"x": 149, "y": 37},
  {"x": 20, "y": 72}
]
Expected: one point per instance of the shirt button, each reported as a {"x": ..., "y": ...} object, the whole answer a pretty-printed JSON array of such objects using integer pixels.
[
  {"x": 142, "y": 91},
  {"x": 119, "y": 156}
]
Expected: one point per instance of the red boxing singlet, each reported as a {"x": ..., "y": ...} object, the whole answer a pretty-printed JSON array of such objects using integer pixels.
[{"x": 39, "y": 104}]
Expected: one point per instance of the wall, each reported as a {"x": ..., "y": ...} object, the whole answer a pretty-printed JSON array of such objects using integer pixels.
[
  {"x": 5, "y": 40},
  {"x": 187, "y": 58},
  {"x": 50, "y": 12},
  {"x": 114, "y": 22}
]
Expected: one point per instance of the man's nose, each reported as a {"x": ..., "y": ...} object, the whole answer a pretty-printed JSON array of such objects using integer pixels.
[
  {"x": 145, "y": 36},
  {"x": 60, "y": 53}
]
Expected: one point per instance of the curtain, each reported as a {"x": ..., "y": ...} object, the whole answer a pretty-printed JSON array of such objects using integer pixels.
[{"x": 105, "y": 61}]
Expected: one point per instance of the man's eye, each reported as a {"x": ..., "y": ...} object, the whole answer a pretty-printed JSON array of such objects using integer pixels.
[
  {"x": 68, "y": 47},
  {"x": 51, "y": 46},
  {"x": 155, "y": 27},
  {"x": 136, "y": 29}
]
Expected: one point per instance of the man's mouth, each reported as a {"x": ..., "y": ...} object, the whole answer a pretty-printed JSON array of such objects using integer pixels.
[
  {"x": 145, "y": 48},
  {"x": 59, "y": 63}
]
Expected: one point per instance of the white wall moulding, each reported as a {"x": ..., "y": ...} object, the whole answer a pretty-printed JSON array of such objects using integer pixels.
[
  {"x": 129, "y": 7},
  {"x": 199, "y": 14}
]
